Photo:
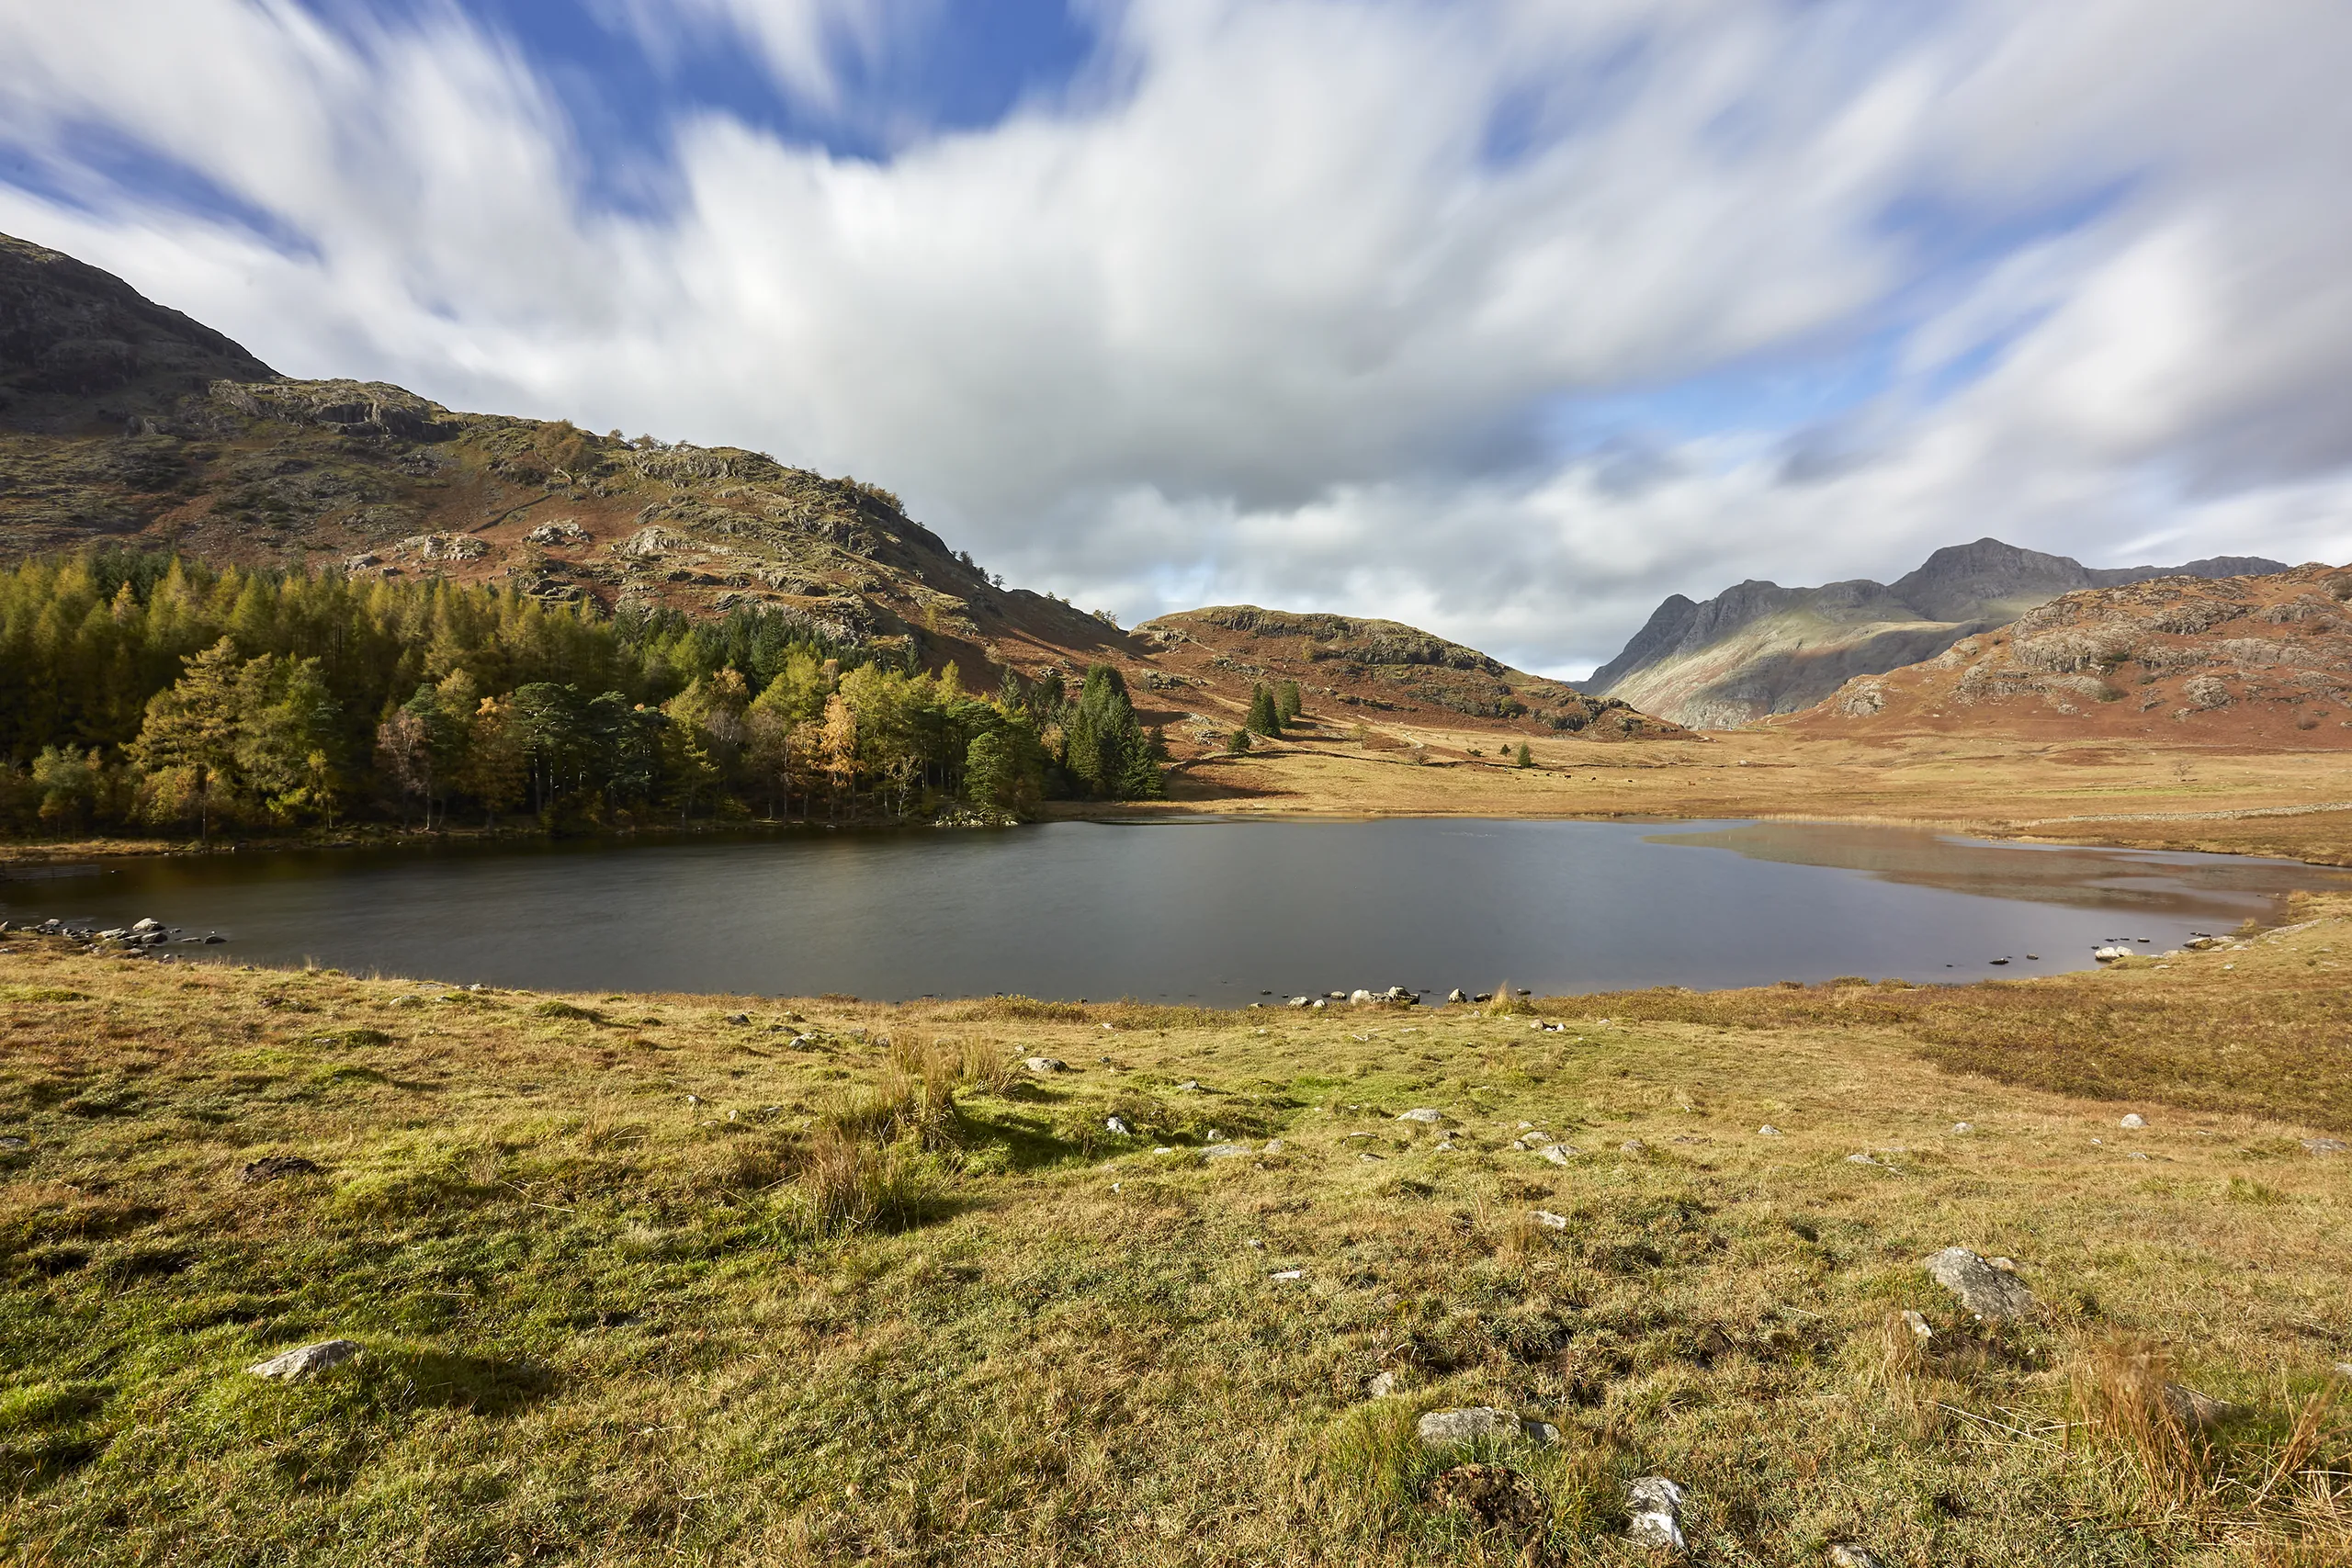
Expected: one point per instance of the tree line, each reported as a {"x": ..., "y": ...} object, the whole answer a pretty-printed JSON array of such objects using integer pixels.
[{"x": 141, "y": 693}]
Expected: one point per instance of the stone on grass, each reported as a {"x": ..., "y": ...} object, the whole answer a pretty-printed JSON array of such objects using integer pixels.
[
  {"x": 1963, "y": 1127},
  {"x": 2133, "y": 1121},
  {"x": 1046, "y": 1065},
  {"x": 1919, "y": 1326},
  {"x": 1359, "y": 995},
  {"x": 1190, "y": 1085},
  {"x": 1550, "y": 1221},
  {"x": 1224, "y": 1151},
  {"x": 1382, "y": 1386},
  {"x": 1851, "y": 1554},
  {"x": 2198, "y": 1410},
  {"x": 1422, "y": 1113},
  {"x": 1866, "y": 1159},
  {"x": 306, "y": 1360},
  {"x": 1455, "y": 995},
  {"x": 1556, "y": 1153},
  {"x": 1117, "y": 1127},
  {"x": 1655, "y": 1504},
  {"x": 1274, "y": 1145},
  {"x": 1768, "y": 1131},
  {"x": 1482, "y": 1423},
  {"x": 1288, "y": 1274},
  {"x": 1633, "y": 1146},
  {"x": 1983, "y": 1290},
  {"x": 2323, "y": 1146}
]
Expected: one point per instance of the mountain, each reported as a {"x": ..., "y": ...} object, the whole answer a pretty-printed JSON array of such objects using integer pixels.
[
  {"x": 1374, "y": 668},
  {"x": 1760, "y": 648},
  {"x": 124, "y": 422},
  {"x": 2257, "y": 659}
]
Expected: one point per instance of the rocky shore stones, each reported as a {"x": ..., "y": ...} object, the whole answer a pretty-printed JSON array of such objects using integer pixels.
[
  {"x": 306, "y": 1360},
  {"x": 1655, "y": 1507},
  {"x": 1983, "y": 1290},
  {"x": 1482, "y": 1423}
]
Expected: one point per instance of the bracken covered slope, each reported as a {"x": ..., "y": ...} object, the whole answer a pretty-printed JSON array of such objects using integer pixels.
[
  {"x": 1375, "y": 669},
  {"x": 2242, "y": 660},
  {"x": 1760, "y": 648}
]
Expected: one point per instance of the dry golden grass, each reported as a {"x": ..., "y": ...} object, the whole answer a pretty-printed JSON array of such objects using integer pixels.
[
  {"x": 2094, "y": 791},
  {"x": 847, "y": 1283}
]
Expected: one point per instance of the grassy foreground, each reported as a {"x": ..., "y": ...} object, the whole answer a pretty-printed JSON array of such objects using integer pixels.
[{"x": 849, "y": 1282}]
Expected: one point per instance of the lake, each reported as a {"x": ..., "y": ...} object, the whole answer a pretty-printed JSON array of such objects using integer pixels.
[{"x": 1212, "y": 911}]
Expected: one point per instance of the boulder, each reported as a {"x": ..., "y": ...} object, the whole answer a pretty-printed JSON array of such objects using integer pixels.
[
  {"x": 1423, "y": 1114},
  {"x": 2134, "y": 1121},
  {"x": 1654, "y": 1505},
  {"x": 1046, "y": 1065},
  {"x": 1455, "y": 995},
  {"x": 739, "y": 1017},
  {"x": 1556, "y": 1153},
  {"x": 1300, "y": 1001},
  {"x": 1446, "y": 1428},
  {"x": 1768, "y": 1131},
  {"x": 1359, "y": 996},
  {"x": 146, "y": 924},
  {"x": 306, "y": 1360},
  {"x": 1983, "y": 1290},
  {"x": 1116, "y": 1127},
  {"x": 560, "y": 531}
]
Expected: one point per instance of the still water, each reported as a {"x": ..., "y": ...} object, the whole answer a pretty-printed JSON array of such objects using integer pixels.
[{"x": 1217, "y": 912}]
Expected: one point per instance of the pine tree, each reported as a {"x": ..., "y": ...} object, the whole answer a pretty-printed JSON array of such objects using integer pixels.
[
  {"x": 189, "y": 738},
  {"x": 1263, "y": 719},
  {"x": 1526, "y": 759},
  {"x": 1287, "y": 705}
]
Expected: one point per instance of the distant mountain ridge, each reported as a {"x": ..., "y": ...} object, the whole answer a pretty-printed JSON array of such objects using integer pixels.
[{"x": 1758, "y": 649}]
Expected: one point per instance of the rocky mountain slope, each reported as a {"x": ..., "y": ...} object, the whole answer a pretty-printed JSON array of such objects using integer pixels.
[
  {"x": 2262, "y": 660},
  {"x": 1760, "y": 648},
  {"x": 1374, "y": 668},
  {"x": 125, "y": 422}
]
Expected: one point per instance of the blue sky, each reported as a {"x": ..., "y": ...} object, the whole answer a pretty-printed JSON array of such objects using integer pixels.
[{"x": 1506, "y": 318}]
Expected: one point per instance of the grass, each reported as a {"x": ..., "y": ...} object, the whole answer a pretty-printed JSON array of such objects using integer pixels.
[{"x": 850, "y": 1283}]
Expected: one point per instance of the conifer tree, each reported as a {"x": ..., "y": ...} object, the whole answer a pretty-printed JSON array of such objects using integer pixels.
[
  {"x": 1287, "y": 705},
  {"x": 1263, "y": 718},
  {"x": 190, "y": 740},
  {"x": 1526, "y": 759}
]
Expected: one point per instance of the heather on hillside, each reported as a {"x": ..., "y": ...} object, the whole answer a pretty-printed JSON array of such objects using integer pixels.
[{"x": 143, "y": 693}]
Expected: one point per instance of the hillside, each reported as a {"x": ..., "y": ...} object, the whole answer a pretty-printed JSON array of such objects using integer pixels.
[
  {"x": 2254, "y": 661},
  {"x": 124, "y": 422},
  {"x": 1760, "y": 648},
  {"x": 1374, "y": 669}
]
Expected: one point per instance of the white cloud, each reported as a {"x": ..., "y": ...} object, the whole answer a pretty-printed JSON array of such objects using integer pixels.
[{"x": 1284, "y": 318}]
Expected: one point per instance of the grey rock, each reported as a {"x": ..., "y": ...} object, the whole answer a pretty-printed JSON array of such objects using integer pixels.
[
  {"x": 1550, "y": 1221},
  {"x": 1446, "y": 1429},
  {"x": 1300, "y": 1001},
  {"x": 2323, "y": 1146},
  {"x": 306, "y": 1360},
  {"x": 1224, "y": 1151},
  {"x": 1117, "y": 1127},
  {"x": 147, "y": 923},
  {"x": 10, "y": 1140},
  {"x": 1360, "y": 995},
  {"x": 1848, "y": 1554},
  {"x": 1046, "y": 1065},
  {"x": 1963, "y": 1127},
  {"x": 1382, "y": 1386},
  {"x": 2133, "y": 1121},
  {"x": 1983, "y": 1290},
  {"x": 739, "y": 1017},
  {"x": 1455, "y": 995},
  {"x": 1556, "y": 1153},
  {"x": 1768, "y": 1131},
  {"x": 1633, "y": 1146},
  {"x": 1423, "y": 1114},
  {"x": 1655, "y": 1504},
  {"x": 1190, "y": 1085},
  {"x": 1274, "y": 1145},
  {"x": 1918, "y": 1326}
]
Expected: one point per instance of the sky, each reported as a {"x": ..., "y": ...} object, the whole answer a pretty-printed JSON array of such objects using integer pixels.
[{"x": 1505, "y": 317}]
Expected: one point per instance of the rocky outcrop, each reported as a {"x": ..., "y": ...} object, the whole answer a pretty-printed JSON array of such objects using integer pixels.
[{"x": 1760, "y": 648}]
